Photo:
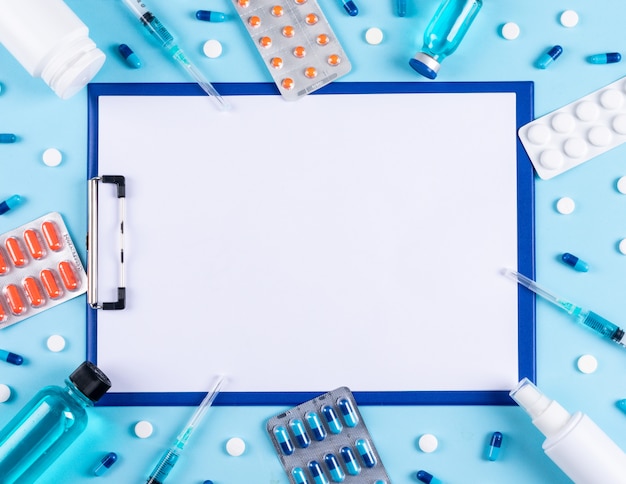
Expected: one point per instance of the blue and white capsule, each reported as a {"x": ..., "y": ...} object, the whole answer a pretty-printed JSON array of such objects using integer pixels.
[
  {"x": 427, "y": 478},
  {"x": 283, "y": 439},
  {"x": 105, "y": 464},
  {"x": 349, "y": 459},
  {"x": 608, "y": 58},
  {"x": 494, "y": 446},
  {"x": 299, "y": 475},
  {"x": 366, "y": 453},
  {"x": 574, "y": 262},
  {"x": 348, "y": 412},
  {"x": 299, "y": 431},
  {"x": 549, "y": 57},
  {"x": 316, "y": 426},
  {"x": 318, "y": 473},
  {"x": 334, "y": 468},
  {"x": 332, "y": 419}
]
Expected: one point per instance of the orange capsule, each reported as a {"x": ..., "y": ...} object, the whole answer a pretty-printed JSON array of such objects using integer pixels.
[
  {"x": 310, "y": 72},
  {"x": 299, "y": 51},
  {"x": 254, "y": 21},
  {"x": 277, "y": 11},
  {"x": 334, "y": 60},
  {"x": 311, "y": 19},
  {"x": 265, "y": 41},
  {"x": 289, "y": 31},
  {"x": 15, "y": 252},
  {"x": 68, "y": 276},
  {"x": 33, "y": 292},
  {"x": 299, "y": 2},
  {"x": 276, "y": 62},
  {"x": 322, "y": 39},
  {"x": 34, "y": 246},
  {"x": 51, "y": 235},
  {"x": 15, "y": 300},
  {"x": 3, "y": 314},
  {"x": 4, "y": 265},
  {"x": 49, "y": 282},
  {"x": 288, "y": 83}
]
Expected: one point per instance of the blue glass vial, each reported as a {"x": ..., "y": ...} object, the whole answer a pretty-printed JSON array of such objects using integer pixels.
[
  {"x": 444, "y": 34},
  {"x": 48, "y": 424}
]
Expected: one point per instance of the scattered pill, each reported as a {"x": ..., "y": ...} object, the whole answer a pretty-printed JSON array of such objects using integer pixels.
[
  {"x": 10, "y": 203},
  {"x": 7, "y": 138},
  {"x": 428, "y": 443},
  {"x": 56, "y": 343},
  {"x": 129, "y": 56},
  {"x": 315, "y": 424},
  {"x": 332, "y": 419},
  {"x": 587, "y": 364},
  {"x": 364, "y": 449},
  {"x": 352, "y": 464},
  {"x": 336, "y": 472},
  {"x": 374, "y": 36},
  {"x": 210, "y": 16},
  {"x": 52, "y": 157},
  {"x": 510, "y": 31},
  {"x": 622, "y": 246},
  {"x": 143, "y": 429},
  {"x": 569, "y": 18},
  {"x": 548, "y": 57},
  {"x": 283, "y": 439},
  {"x": 299, "y": 431},
  {"x": 565, "y": 205},
  {"x": 105, "y": 464},
  {"x": 401, "y": 5},
  {"x": 12, "y": 358},
  {"x": 608, "y": 58},
  {"x": 427, "y": 478},
  {"x": 212, "y": 48},
  {"x": 235, "y": 446},
  {"x": 350, "y": 7},
  {"x": 5, "y": 393},
  {"x": 621, "y": 185},
  {"x": 208, "y": 482},
  {"x": 348, "y": 412},
  {"x": 621, "y": 404},
  {"x": 494, "y": 446},
  {"x": 573, "y": 261}
]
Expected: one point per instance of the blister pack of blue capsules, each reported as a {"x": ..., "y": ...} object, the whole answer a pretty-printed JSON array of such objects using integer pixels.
[{"x": 325, "y": 440}]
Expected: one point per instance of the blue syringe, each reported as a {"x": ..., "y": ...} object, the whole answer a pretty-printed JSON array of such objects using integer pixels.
[
  {"x": 171, "y": 455},
  {"x": 591, "y": 320},
  {"x": 166, "y": 40}
]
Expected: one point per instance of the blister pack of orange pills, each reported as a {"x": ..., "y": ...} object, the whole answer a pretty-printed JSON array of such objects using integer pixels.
[
  {"x": 297, "y": 45},
  {"x": 39, "y": 269}
]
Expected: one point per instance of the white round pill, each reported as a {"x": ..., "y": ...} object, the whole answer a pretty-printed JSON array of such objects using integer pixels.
[
  {"x": 621, "y": 185},
  {"x": 374, "y": 36},
  {"x": 611, "y": 99},
  {"x": 5, "y": 393},
  {"x": 587, "y": 364},
  {"x": 599, "y": 136},
  {"x": 235, "y": 446},
  {"x": 565, "y": 205},
  {"x": 619, "y": 124},
  {"x": 539, "y": 134},
  {"x": 56, "y": 343},
  {"x": 143, "y": 429},
  {"x": 551, "y": 159},
  {"x": 622, "y": 246},
  {"x": 212, "y": 48},
  {"x": 428, "y": 443},
  {"x": 575, "y": 147},
  {"x": 587, "y": 111},
  {"x": 569, "y": 18},
  {"x": 510, "y": 31},
  {"x": 563, "y": 122},
  {"x": 52, "y": 157}
]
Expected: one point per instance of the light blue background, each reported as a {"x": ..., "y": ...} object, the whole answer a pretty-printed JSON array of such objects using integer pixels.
[{"x": 30, "y": 110}]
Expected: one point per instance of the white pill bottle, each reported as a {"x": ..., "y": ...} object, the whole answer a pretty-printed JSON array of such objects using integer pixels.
[{"x": 50, "y": 42}]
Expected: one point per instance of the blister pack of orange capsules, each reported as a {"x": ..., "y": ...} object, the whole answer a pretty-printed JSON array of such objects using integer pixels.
[
  {"x": 39, "y": 269},
  {"x": 298, "y": 47}
]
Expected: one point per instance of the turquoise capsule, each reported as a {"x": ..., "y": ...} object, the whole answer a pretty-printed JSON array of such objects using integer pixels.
[
  {"x": 317, "y": 472},
  {"x": 427, "y": 478},
  {"x": 349, "y": 459},
  {"x": 608, "y": 58},
  {"x": 494, "y": 446},
  {"x": 302, "y": 438},
  {"x": 549, "y": 57},
  {"x": 348, "y": 412},
  {"x": 210, "y": 16},
  {"x": 332, "y": 419},
  {"x": 129, "y": 56},
  {"x": 365, "y": 451},
  {"x": 316, "y": 426},
  {"x": 573, "y": 261},
  {"x": 10, "y": 203},
  {"x": 299, "y": 476},
  {"x": 334, "y": 468},
  {"x": 283, "y": 439},
  {"x": 7, "y": 138}
]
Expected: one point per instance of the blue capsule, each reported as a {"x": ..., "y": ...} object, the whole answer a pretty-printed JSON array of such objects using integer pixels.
[
  {"x": 10, "y": 203},
  {"x": 316, "y": 426},
  {"x": 317, "y": 472},
  {"x": 365, "y": 451},
  {"x": 494, "y": 446},
  {"x": 283, "y": 439},
  {"x": 546, "y": 59},
  {"x": 573, "y": 261},
  {"x": 10, "y": 357},
  {"x": 302, "y": 438},
  {"x": 336, "y": 472},
  {"x": 299, "y": 476},
  {"x": 7, "y": 138},
  {"x": 105, "y": 464},
  {"x": 350, "y": 7},
  {"x": 209, "y": 16},
  {"x": 349, "y": 459},
  {"x": 129, "y": 56},
  {"x": 427, "y": 478},
  {"x": 332, "y": 419},
  {"x": 348, "y": 412},
  {"x": 608, "y": 58}
]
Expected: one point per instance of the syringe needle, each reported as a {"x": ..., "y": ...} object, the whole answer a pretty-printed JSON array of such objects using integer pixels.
[{"x": 532, "y": 285}]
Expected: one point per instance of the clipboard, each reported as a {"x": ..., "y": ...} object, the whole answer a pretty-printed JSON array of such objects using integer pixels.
[{"x": 354, "y": 238}]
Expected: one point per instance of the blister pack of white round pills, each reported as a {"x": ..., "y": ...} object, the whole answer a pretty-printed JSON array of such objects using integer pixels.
[
  {"x": 298, "y": 47},
  {"x": 577, "y": 132},
  {"x": 39, "y": 269}
]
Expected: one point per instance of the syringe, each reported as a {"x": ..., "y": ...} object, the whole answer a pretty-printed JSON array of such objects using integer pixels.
[
  {"x": 166, "y": 40},
  {"x": 585, "y": 317},
  {"x": 171, "y": 455}
]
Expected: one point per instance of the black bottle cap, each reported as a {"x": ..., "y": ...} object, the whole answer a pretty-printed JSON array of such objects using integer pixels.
[{"x": 90, "y": 380}]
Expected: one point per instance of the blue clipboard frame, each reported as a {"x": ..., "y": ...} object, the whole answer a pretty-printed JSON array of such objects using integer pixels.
[{"x": 524, "y": 91}]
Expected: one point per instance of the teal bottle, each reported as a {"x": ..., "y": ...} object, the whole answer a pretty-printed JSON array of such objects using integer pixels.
[
  {"x": 48, "y": 424},
  {"x": 444, "y": 34}
]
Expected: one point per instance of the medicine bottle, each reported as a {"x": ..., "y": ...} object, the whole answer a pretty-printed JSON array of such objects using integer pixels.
[
  {"x": 50, "y": 42},
  {"x": 444, "y": 34},
  {"x": 48, "y": 424}
]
